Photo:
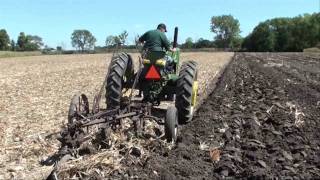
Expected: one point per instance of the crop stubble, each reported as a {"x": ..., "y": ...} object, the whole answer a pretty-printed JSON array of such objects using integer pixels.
[{"x": 35, "y": 94}]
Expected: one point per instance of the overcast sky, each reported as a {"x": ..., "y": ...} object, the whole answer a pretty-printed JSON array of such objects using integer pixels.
[{"x": 54, "y": 20}]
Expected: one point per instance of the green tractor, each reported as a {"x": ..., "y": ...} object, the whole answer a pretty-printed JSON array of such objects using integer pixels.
[{"x": 157, "y": 80}]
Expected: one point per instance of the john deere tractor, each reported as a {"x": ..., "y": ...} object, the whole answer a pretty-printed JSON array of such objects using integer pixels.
[{"x": 157, "y": 80}]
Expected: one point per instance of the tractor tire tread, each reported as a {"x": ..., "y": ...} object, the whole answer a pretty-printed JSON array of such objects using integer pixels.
[
  {"x": 119, "y": 65},
  {"x": 187, "y": 76}
]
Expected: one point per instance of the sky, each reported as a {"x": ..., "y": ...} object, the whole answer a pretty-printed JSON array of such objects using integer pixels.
[{"x": 55, "y": 20}]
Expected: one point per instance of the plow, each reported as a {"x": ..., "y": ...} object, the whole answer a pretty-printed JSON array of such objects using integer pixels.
[{"x": 159, "y": 77}]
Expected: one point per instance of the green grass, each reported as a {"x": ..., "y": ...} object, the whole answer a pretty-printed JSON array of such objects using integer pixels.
[{"x": 5, "y": 54}]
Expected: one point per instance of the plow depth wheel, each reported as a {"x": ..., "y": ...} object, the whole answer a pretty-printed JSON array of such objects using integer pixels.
[
  {"x": 79, "y": 107},
  {"x": 187, "y": 91},
  {"x": 171, "y": 124}
]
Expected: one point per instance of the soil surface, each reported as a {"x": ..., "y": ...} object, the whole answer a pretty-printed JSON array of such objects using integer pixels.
[
  {"x": 262, "y": 121},
  {"x": 35, "y": 94}
]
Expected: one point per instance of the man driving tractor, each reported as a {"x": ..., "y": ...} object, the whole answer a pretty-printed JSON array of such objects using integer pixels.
[{"x": 156, "y": 43}]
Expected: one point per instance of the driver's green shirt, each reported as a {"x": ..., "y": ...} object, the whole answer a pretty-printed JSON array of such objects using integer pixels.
[{"x": 155, "y": 40}]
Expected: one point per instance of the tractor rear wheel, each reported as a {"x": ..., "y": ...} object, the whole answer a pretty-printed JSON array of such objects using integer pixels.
[
  {"x": 79, "y": 108},
  {"x": 121, "y": 71},
  {"x": 187, "y": 90},
  {"x": 171, "y": 124}
]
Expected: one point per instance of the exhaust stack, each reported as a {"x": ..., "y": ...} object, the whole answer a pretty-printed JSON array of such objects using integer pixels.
[{"x": 175, "y": 39}]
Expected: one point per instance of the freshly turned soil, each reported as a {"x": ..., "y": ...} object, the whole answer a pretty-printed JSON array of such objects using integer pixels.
[{"x": 263, "y": 118}]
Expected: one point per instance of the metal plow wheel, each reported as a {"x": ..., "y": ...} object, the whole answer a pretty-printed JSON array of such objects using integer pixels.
[
  {"x": 79, "y": 108},
  {"x": 171, "y": 124}
]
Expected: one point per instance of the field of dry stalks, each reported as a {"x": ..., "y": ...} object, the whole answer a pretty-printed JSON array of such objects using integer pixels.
[{"x": 35, "y": 93}]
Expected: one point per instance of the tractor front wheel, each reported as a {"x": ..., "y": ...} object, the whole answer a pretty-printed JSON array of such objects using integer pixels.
[{"x": 187, "y": 91}]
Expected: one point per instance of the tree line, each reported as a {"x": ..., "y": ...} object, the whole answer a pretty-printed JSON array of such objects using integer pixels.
[
  {"x": 278, "y": 34},
  {"x": 274, "y": 35},
  {"x": 285, "y": 34},
  {"x": 24, "y": 42}
]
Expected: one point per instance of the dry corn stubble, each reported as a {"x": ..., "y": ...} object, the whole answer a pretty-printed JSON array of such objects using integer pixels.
[{"x": 35, "y": 95}]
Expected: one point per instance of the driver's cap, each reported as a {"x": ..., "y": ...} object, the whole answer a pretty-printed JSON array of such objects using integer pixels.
[{"x": 163, "y": 26}]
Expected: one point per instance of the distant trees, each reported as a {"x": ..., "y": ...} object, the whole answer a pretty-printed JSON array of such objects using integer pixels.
[
  {"x": 82, "y": 40},
  {"x": 34, "y": 42},
  {"x": 204, "y": 43},
  {"x": 123, "y": 37},
  {"x": 200, "y": 43},
  {"x": 22, "y": 41},
  {"x": 262, "y": 39},
  {"x": 227, "y": 30},
  {"x": 110, "y": 41},
  {"x": 274, "y": 35},
  {"x": 189, "y": 43},
  {"x": 12, "y": 45},
  {"x": 4, "y": 40},
  {"x": 136, "y": 40},
  {"x": 285, "y": 34},
  {"x": 117, "y": 40},
  {"x": 28, "y": 42},
  {"x": 59, "y": 48}
]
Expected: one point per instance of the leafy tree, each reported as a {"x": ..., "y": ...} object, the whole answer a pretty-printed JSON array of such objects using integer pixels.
[
  {"x": 200, "y": 43},
  {"x": 262, "y": 39},
  {"x": 204, "y": 43},
  {"x": 59, "y": 48},
  {"x": 4, "y": 40},
  {"x": 236, "y": 43},
  {"x": 123, "y": 37},
  {"x": 136, "y": 40},
  {"x": 189, "y": 43},
  {"x": 82, "y": 40},
  {"x": 28, "y": 42},
  {"x": 34, "y": 42},
  {"x": 285, "y": 34},
  {"x": 304, "y": 32},
  {"x": 110, "y": 41},
  {"x": 281, "y": 28},
  {"x": 12, "y": 45},
  {"x": 117, "y": 40},
  {"x": 22, "y": 41},
  {"x": 227, "y": 30}
]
